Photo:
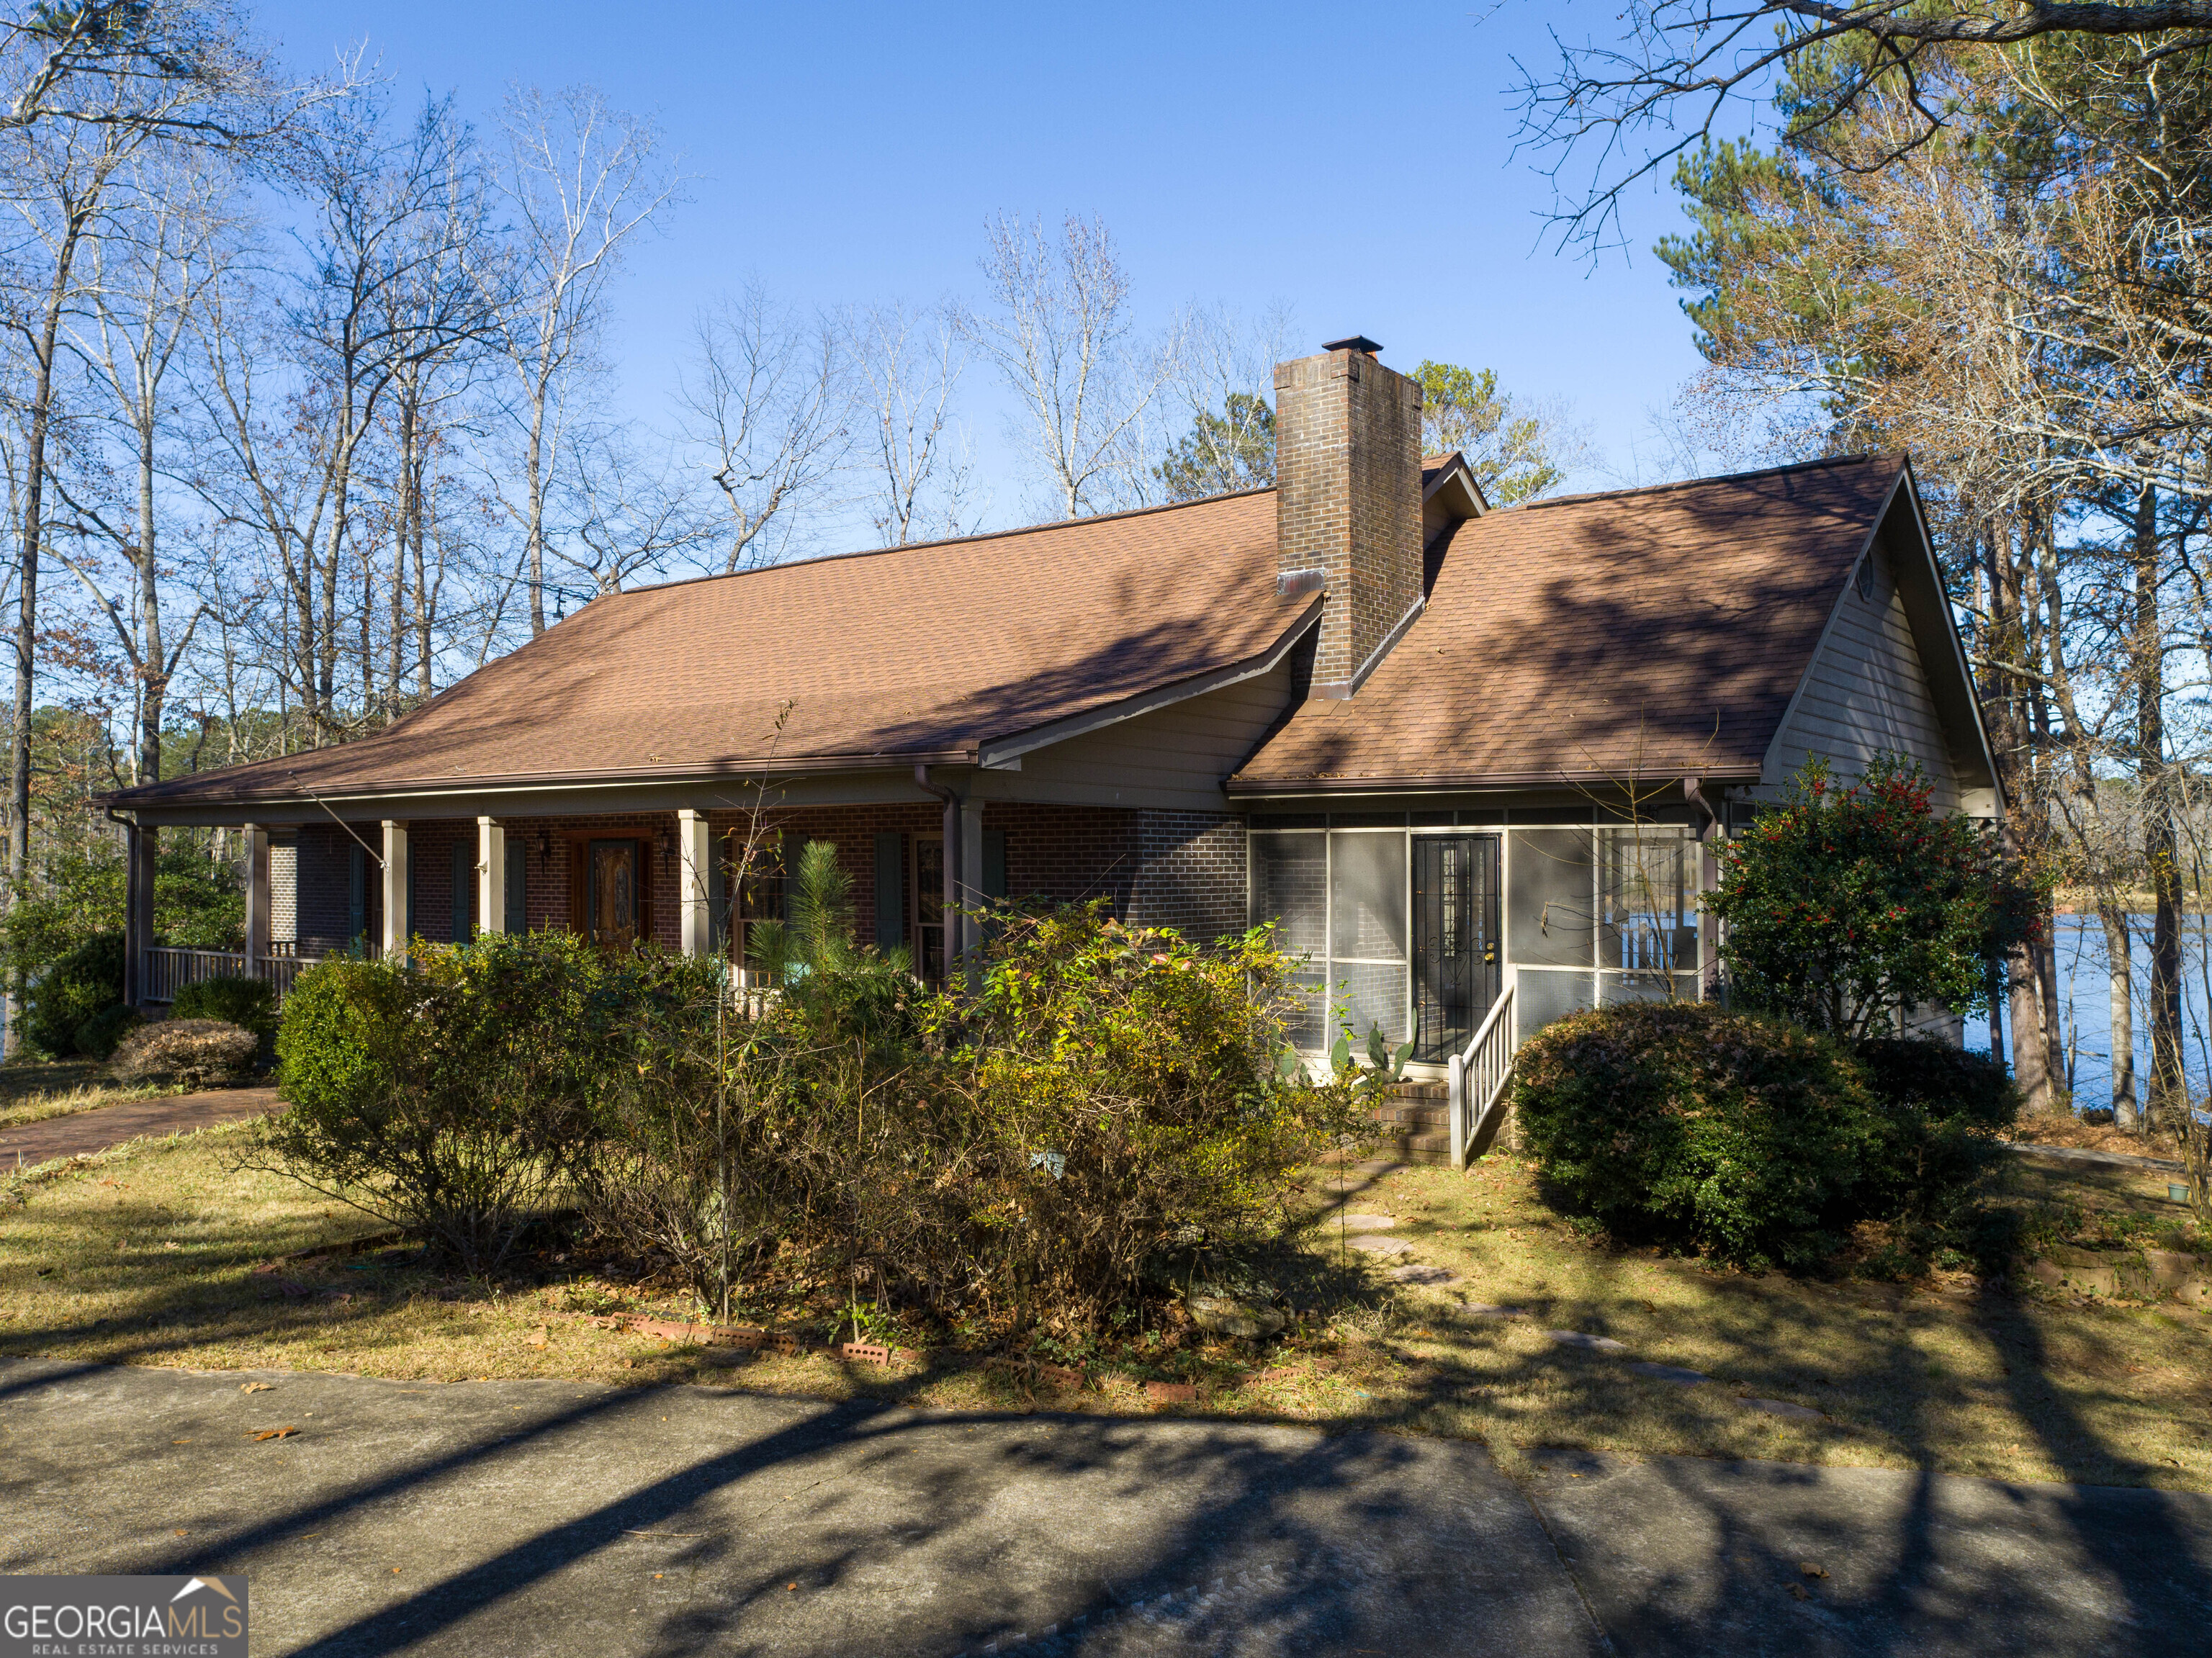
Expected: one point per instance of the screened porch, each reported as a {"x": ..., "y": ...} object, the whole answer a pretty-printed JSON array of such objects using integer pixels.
[{"x": 1419, "y": 923}]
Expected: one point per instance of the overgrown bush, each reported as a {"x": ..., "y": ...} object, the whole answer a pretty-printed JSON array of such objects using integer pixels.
[
  {"x": 85, "y": 982},
  {"x": 459, "y": 1091},
  {"x": 194, "y": 1052},
  {"x": 1939, "y": 1112},
  {"x": 97, "y": 1037},
  {"x": 1015, "y": 1159},
  {"x": 250, "y": 1003},
  {"x": 1740, "y": 1135}
]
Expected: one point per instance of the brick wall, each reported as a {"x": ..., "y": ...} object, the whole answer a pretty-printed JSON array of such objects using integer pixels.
[
  {"x": 1190, "y": 873},
  {"x": 1348, "y": 498},
  {"x": 283, "y": 891},
  {"x": 322, "y": 901}
]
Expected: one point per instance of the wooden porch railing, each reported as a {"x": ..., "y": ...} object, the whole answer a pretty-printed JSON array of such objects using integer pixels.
[{"x": 1476, "y": 1081}]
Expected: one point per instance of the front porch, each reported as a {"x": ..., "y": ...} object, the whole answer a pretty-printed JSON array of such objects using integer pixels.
[{"x": 690, "y": 878}]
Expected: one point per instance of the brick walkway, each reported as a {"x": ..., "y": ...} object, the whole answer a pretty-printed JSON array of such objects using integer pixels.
[{"x": 82, "y": 1132}]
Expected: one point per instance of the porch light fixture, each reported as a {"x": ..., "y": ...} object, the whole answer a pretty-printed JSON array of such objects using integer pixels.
[
  {"x": 545, "y": 849},
  {"x": 666, "y": 841}
]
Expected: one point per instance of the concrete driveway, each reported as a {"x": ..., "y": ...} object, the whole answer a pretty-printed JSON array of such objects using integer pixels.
[{"x": 557, "y": 1519}]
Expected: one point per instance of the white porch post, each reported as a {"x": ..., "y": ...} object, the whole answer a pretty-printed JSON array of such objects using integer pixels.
[
  {"x": 395, "y": 888},
  {"x": 695, "y": 854},
  {"x": 256, "y": 898},
  {"x": 491, "y": 875}
]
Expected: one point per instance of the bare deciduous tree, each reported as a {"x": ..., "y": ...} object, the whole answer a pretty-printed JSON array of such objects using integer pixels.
[
  {"x": 770, "y": 398},
  {"x": 907, "y": 364},
  {"x": 581, "y": 180},
  {"x": 1667, "y": 84},
  {"x": 1057, "y": 331}
]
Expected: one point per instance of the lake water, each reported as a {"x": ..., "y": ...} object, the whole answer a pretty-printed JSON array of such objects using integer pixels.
[{"x": 2085, "y": 1004}]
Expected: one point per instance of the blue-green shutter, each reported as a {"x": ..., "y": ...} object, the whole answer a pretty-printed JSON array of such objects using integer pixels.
[
  {"x": 994, "y": 863},
  {"x": 890, "y": 889},
  {"x": 356, "y": 895},
  {"x": 718, "y": 893},
  {"x": 464, "y": 895},
  {"x": 517, "y": 913}
]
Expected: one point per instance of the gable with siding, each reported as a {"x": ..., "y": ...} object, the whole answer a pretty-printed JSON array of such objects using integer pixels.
[
  {"x": 1872, "y": 687},
  {"x": 1866, "y": 693}
]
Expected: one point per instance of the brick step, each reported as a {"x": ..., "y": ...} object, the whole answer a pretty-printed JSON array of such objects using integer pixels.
[
  {"x": 1420, "y": 1090},
  {"x": 1420, "y": 1116},
  {"x": 1430, "y": 1148}
]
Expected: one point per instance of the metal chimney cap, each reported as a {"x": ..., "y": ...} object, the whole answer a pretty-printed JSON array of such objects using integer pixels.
[{"x": 1357, "y": 343}]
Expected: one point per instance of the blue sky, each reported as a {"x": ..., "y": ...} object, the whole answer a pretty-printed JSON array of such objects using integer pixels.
[{"x": 1351, "y": 162}]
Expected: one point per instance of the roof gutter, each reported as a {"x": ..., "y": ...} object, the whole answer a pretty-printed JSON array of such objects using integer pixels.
[{"x": 1484, "y": 782}]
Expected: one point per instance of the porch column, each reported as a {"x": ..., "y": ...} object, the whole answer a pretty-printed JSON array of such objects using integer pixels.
[
  {"x": 491, "y": 875},
  {"x": 257, "y": 897},
  {"x": 395, "y": 888},
  {"x": 971, "y": 888},
  {"x": 695, "y": 855},
  {"x": 139, "y": 846}
]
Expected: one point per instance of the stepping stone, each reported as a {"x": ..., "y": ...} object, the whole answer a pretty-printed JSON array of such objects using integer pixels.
[
  {"x": 1481, "y": 1309},
  {"x": 1382, "y": 1246},
  {"x": 1421, "y": 1275},
  {"x": 1674, "y": 1373},
  {"x": 1368, "y": 1223},
  {"x": 1587, "y": 1343},
  {"x": 1782, "y": 1407}
]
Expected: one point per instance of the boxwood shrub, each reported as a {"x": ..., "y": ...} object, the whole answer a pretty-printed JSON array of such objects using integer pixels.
[
  {"x": 1738, "y": 1135},
  {"x": 1749, "y": 1139},
  {"x": 1940, "y": 1114},
  {"x": 249, "y": 1004}
]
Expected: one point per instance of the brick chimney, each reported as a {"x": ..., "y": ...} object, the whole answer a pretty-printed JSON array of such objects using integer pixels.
[{"x": 1348, "y": 501}]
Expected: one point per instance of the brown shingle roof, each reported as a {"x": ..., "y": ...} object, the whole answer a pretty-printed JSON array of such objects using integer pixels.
[
  {"x": 1651, "y": 632},
  {"x": 913, "y": 653}
]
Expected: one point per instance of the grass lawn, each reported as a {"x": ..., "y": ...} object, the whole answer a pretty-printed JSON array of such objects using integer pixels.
[
  {"x": 146, "y": 1256},
  {"x": 31, "y": 1091}
]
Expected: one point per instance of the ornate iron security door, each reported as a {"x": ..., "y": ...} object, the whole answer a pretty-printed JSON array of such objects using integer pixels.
[{"x": 1456, "y": 972}]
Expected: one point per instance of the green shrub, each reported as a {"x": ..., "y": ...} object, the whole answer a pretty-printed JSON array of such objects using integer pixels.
[
  {"x": 250, "y": 1003},
  {"x": 1939, "y": 1113},
  {"x": 1740, "y": 1135},
  {"x": 458, "y": 1092},
  {"x": 1133, "y": 1098},
  {"x": 86, "y": 981},
  {"x": 97, "y": 1036}
]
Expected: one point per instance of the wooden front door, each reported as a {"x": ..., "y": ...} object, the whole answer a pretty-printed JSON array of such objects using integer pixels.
[{"x": 611, "y": 873}]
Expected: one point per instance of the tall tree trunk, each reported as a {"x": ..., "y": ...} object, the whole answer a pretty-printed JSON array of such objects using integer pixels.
[
  {"x": 534, "y": 483},
  {"x": 2120, "y": 963},
  {"x": 156, "y": 661},
  {"x": 2147, "y": 666},
  {"x": 2005, "y": 713},
  {"x": 26, "y": 591}
]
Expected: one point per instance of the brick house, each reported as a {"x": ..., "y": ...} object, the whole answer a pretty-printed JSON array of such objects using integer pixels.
[{"x": 1469, "y": 760}]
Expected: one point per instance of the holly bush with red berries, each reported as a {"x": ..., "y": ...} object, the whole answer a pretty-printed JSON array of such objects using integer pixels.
[{"x": 1846, "y": 902}]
